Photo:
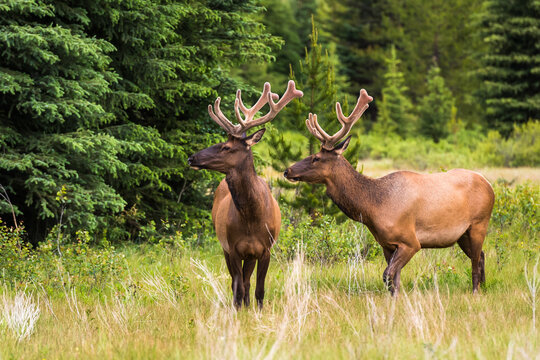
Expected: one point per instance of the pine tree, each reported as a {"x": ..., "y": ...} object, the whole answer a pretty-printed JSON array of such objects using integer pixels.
[
  {"x": 511, "y": 65},
  {"x": 435, "y": 108},
  {"x": 396, "y": 110}
]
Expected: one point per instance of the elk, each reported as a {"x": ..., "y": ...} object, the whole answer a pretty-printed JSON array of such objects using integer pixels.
[
  {"x": 405, "y": 211},
  {"x": 246, "y": 216}
]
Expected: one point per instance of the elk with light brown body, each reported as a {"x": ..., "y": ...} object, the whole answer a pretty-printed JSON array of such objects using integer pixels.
[
  {"x": 404, "y": 211},
  {"x": 245, "y": 214}
]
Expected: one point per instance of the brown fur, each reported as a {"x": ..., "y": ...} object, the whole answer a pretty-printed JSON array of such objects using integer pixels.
[
  {"x": 245, "y": 214},
  {"x": 406, "y": 211}
]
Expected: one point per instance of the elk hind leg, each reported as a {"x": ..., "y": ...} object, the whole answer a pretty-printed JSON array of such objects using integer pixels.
[
  {"x": 471, "y": 243},
  {"x": 262, "y": 268},
  {"x": 249, "y": 265}
]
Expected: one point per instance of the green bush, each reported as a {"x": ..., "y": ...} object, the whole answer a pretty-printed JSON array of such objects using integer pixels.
[
  {"x": 78, "y": 263},
  {"x": 515, "y": 220},
  {"x": 523, "y": 147},
  {"x": 464, "y": 148},
  {"x": 15, "y": 254},
  {"x": 325, "y": 240}
]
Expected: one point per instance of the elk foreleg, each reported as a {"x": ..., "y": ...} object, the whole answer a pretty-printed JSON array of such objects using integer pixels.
[
  {"x": 399, "y": 259},
  {"x": 228, "y": 262},
  {"x": 262, "y": 268},
  {"x": 249, "y": 265},
  {"x": 237, "y": 279}
]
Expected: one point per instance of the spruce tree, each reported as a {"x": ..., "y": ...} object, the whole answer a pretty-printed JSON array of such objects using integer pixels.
[
  {"x": 316, "y": 80},
  {"x": 108, "y": 99},
  {"x": 435, "y": 108},
  {"x": 396, "y": 110},
  {"x": 359, "y": 29},
  {"x": 511, "y": 65}
]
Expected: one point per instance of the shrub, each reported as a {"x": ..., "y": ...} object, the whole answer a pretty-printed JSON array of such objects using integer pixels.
[
  {"x": 515, "y": 219},
  {"x": 78, "y": 262},
  {"x": 325, "y": 240},
  {"x": 15, "y": 254}
]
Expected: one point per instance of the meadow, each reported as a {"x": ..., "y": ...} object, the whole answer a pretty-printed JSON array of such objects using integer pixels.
[
  {"x": 106, "y": 244},
  {"x": 324, "y": 297}
]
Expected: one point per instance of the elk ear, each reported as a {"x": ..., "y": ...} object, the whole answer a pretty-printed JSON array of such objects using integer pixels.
[
  {"x": 342, "y": 146},
  {"x": 254, "y": 138}
]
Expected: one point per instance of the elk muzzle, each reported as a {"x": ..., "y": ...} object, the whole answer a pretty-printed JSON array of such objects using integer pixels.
[
  {"x": 192, "y": 162},
  {"x": 289, "y": 175}
]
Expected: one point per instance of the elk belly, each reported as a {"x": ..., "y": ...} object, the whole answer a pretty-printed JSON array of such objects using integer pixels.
[
  {"x": 249, "y": 249},
  {"x": 437, "y": 236}
]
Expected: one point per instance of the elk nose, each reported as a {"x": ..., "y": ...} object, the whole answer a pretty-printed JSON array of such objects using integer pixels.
[{"x": 286, "y": 173}]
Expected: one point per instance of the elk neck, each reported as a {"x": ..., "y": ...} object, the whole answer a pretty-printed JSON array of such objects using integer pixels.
[
  {"x": 355, "y": 194},
  {"x": 249, "y": 193}
]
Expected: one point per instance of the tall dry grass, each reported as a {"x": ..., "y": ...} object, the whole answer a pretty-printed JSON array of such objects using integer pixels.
[
  {"x": 310, "y": 311},
  {"x": 19, "y": 314}
]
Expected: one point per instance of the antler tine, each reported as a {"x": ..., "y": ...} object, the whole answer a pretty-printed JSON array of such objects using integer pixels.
[
  {"x": 328, "y": 141},
  {"x": 290, "y": 94},
  {"x": 249, "y": 113},
  {"x": 220, "y": 118},
  {"x": 361, "y": 105},
  {"x": 312, "y": 129},
  {"x": 247, "y": 122},
  {"x": 321, "y": 131}
]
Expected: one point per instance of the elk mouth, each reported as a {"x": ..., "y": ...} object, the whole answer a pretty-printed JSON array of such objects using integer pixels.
[
  {"x": 288, "y": 176},
  {"x": 192, "y": 164}
]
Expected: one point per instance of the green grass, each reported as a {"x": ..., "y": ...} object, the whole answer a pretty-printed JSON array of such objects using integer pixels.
[
  {"x": 172, "y": 299},
  {"x": 177, "y": 304}
]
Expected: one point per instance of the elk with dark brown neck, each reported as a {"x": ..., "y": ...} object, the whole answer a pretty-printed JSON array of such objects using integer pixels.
[
  {"x": 404, "y": 211},
  {"x": 245, "y": 214}
]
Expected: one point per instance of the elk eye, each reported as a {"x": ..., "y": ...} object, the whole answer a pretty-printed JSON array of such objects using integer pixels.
[
  {"x": 315, "y": 158},
  {"x": 225, "y": 148}
]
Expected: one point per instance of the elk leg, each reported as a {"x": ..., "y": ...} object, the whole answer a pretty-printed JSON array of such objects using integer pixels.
[
  {"x": 401, "y": 257},
  {"x": 388, "y": 256},
  {"x": 249, "y": 265},
  {"x": 228, "y": 262},
  {"x": 262, "y": 268},
  {"x": 471, "y": 244},
  {"x": 482, "y": 268},
  {"x": 477, "y": 234},
  {"x": 238, "y": 283}
]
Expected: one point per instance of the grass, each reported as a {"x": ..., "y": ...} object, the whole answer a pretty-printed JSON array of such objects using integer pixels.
[
  {"x": 177, "y": 304},
  {"x": 170, "y": 301}
]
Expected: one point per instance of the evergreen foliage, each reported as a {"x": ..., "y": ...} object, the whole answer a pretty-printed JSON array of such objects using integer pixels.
[
  {"x": 511, "y": 65},
  {"x": 101, "y": 102},
  {"x": 361, "y": 33},
  {"x": 107, "y": 98},
  {"x": 364, "y": 30},
  {"x": 316, "y": 79},
  {"x": 395, "y": 112},
  {"x": 435, "y": 108}
]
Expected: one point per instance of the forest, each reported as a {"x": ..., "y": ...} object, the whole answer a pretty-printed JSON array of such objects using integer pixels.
[{"x": 103, "y": 222}]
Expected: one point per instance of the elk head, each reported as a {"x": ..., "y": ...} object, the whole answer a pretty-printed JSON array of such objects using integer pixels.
[
  {"x": 318, "y": 167},
  {"x": 224, "y": 156}
]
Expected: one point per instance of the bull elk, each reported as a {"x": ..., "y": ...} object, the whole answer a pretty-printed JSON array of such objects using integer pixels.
[
  {"x": 404, "y": 211},
  {"x": 246, "y": 217}
]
